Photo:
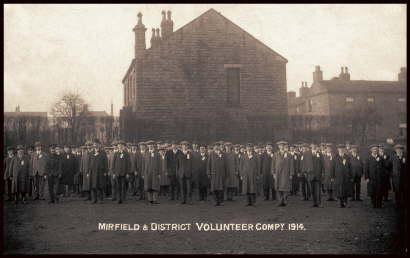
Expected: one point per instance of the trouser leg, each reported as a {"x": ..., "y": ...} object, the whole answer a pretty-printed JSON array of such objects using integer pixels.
[
  {"x": 155, "y": 196},
  {"x": 188, "y": 183},
  {"x": 357, "y": 190},
  {"x": 51, "y": 188}
]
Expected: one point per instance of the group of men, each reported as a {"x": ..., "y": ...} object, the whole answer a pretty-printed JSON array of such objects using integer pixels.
[{"x": 225, "y": 170}]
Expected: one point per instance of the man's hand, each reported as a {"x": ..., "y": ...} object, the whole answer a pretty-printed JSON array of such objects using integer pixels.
[
  {"x": 113, "y": 176},
  {"x": 45, "y": 176},
  {"x": 331, "y": 180},
  {"x": 105, "y": 174},
  {"x": 127, "y": 176},
  {"x": 367, "y": 180},
  {"x": 88, "y": 175},
  {"x": 59, "y": 176},
  {"x": 290, "y": 177},
  {"x": 135, "y": 173}
]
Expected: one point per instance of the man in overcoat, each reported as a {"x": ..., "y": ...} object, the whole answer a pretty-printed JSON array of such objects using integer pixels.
[
  {"x": 216, "y": 170},
  {"x": 399, "y": 175},
  {"x": 84, "y": 170},
  {"x": 266, "y": 172},
  {"x": 172, "y": 164},
  {"x": 231, "y": 182},
  {"x": 163, "y": 171},
  {"x": 38, "y": 170},
  {"x": 329, "y": 172},
  {"x": 283, "y": 171},
  {"x": 249, "y": 175},
  {"x": 151, "y": 173},
  {"x": 53, "y": 173},
  {"x": 201, "y": 174},
  {"x": 387, "y": 172},
  {"x": 374, "y": 174},
  {"x": 98, "y": 172},
  {"x": 343, "y": 175},
  {"x": 356, "y": 163},
  {"x": 68, "y": 168},
  {"x": 8, "y": 173},
  {"x": 140, "y": 155},
  {"x": 184, "y": 172},
  {"x": 120, "y": 168},
  {"x": 20, "y": 175}
]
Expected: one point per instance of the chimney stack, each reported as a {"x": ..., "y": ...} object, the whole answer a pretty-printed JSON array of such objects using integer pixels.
[
  {"x": 153, "y": 38},
  {"x": 344, "y": 75},
  {"x": 303, "y": 90},
  {"x": 403, "y": 74},
  {"x": 167, "y": 25},
  {"x": 139, "y": 31},
  {"x": 317, "y": 74}
]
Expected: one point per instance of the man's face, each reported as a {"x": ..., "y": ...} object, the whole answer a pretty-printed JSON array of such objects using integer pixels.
[
  {"x": 10, "y": 152},
  {"x": 292, "y": 149},
  {"x": 399, "y": 152},
  {"x": 228, "y": 148},
  {"x": 66, "y": 150},
  {"x": 58, "y": 150},
  {"x": 328, "y": 149},
  {"x": 96, "y": 147},
  {"x": 314, "y": 147},
  {"x": 248, "y": 148},
  {"x": 184, "y": 147},
  {"x": 354, "y": 151},
  {"x": 195, "y": 146},
  {"x": 30, "y": 151},
  {"x": 381, "y": 150},
  {"x": 202, "y": 149},
  {"x": 121, "y": 147},
  {"x": 151, "y": 147},
  {"x": 269, "y": 148},
  {"x": 134, "y": 149},
  {"x": 90, "y": 148},
  {"x": 174, "y": 146},
  {"x": 20, "y": 152},
  {"x": 280, "y": 146},
  {"x": 53, "y": 150},
  {"x": 341, "y": 151},
  {"x": 374, "y": 150},
  {"x": 143, "y": 148},
  {"x": 286, "y": 148},
  {"x": 38, "y": 149}
]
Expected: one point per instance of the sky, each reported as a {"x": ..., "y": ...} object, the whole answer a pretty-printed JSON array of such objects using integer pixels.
[{"x": 54, "y": 48}]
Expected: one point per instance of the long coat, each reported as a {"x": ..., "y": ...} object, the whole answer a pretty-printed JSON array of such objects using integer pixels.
[
  {"x": 266, "y": 170},
  {"x": 172, "y": 161},
  {"x": 98, "y": 167},
  {"x": 68, "y": 168},
  {"x": 184, "y": 165},
  {"x": 38, "y": 164},
  {"x": 7, "y": 167},
  {"x": 231, "y": 170},
  {"x": 21, "y": 177},
  {"x": 217, "y": 171},
  {"x": 387, "y": 165},
  {"x": 84, "y": 170},
  {"x": 121, "y": 165},
  {"x": 163, "y": 171},
  {"x": 151, "y": 171},
  {"x": 343, "y": 176},
  {"x": 77, "y": 174},
  {"x": 196, "y": 163},
  {"x": 357, "y": 166},
  {"x": 201, "y": 176},
  {"x": 249, "y": 173},
  {"x": 399, "y": 169},
  {"x": 329, "y": 172},
  {"x": 375, "y": 172},
  {"x": 283, "y": 169}
]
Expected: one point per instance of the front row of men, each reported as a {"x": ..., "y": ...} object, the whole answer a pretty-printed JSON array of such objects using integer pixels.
[{"x": 170, "y": 170}]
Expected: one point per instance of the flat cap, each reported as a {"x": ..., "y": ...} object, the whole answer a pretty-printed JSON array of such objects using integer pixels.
[
  {"x": 150, "y": 142},
  {"x": 340, "y": 146},
  {"x": 120, "y": 142},
  {"x": 381, "y": 145},
  {"x": 20, "y": 147},
  {"x": 281, "y": 143},
  {"x": 10, "y": 148},
  {"x": 88, "y": 143},
  {"x": 398, "y": 146},
  {"x": 37, "y": 144},
  {"x": 374, "y": 146},
  {"x": 329, "y": 144},
  {"x": 354, "y": 146},
  {"x": 184, "y": 143},
  {"x": 96, "y": 141},
  {"x": 249, "y": 144}
]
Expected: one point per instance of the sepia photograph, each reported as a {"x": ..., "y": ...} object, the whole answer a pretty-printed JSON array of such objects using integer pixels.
[{"x": 205, "y": 129}]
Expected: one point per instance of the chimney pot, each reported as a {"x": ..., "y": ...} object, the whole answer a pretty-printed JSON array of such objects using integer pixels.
[
  {"x": 169, "y": 15},
  {"x": 346, "y": 70}
]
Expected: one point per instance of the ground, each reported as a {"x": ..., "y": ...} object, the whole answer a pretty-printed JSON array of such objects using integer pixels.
[{"x": 72, "y": 227}]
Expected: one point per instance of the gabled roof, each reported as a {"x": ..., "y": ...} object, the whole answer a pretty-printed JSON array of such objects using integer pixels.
[
  {"x": 199, "y": 17},
  {"x": 28, "y": 114}
]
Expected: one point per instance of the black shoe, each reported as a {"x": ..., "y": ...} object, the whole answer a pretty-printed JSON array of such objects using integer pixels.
[
  {"x": 51, "y": 202},
  {"x": 113, "y": 199},
  {"x": 359, "y": 200},
  {"x": 329, "y": 200},
  {"x": 94, "y": 202},
  {"x": 37, "y": 198}
]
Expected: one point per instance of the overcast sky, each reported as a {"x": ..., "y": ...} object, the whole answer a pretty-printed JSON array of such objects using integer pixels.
[{"x": 52, "y": 48}]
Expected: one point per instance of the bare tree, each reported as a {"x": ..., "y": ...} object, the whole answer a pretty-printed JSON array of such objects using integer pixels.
[{"x": 68, "y": 114}]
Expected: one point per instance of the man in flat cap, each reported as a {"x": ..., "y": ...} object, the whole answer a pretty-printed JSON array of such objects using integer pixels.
[
  {"x": 68, "y": 168},
  {"x": 399, "y": 176},
  {"x": 140, "y": 170},
  {"x": 8, "y": 172},
  {"x": 184, "y": 172},
  {"x": 312, "y": 165},
  {"x": 249, "y": 174},
  {"x": 163, "y": 171},
  {"x": 20, "y": 175},
  {"x": 266, "y": 172},
  {"x": 306, "y": 165},
  {"x": 196, "y": 162},
  {"x": 120, "y": 169},
  {"x": 356, "y": 163},
  {"x": 217, "y": 173},
  {"x": 151, "y": 174},
  {"x": 388, "y": 169},
  {"x": 201, "y": 174},
  {"x": 172, "y": 164},
  {"x": 374, "y": 174},
  {"x": 294, "y": 190},
  {"x": 343, "y": 176},
  {"x": 283, "y": 171},
  {"x": 329, "y": 172},
  {"x": 98, "y": 172},
  {"x": 231, "y": 182},
  {"x": 131, "y": 182},
  {"x": 84, "y": 170},
  {"x": 38, "y": 170},
  {"x": 53, "y": 173}
]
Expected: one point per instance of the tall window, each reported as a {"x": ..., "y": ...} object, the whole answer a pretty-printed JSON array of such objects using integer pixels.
[
  {"x": 401, "y": 99},
  {"x": 234, "y": 86},
  {"x": 402, "y": 128}
]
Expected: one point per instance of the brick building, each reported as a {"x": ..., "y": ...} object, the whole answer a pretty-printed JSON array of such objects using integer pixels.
[
  {"x": 206, "y": 81},
  {"x": 354, "y": 110}
]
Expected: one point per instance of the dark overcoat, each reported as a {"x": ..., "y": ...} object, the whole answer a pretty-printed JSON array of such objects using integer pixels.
[
  {"x": 98, "y": 167},
  {"x": 231, "y": 170},
  {"x": 202, "y": 177},
  {"x": 216, "y": 171},
  {"x": 266, "y": 170},
  {"x": 283, "y": 167},
  {"x": 184, "y": 165},
  {"x": 84, "y": 170},
  {"x": 20, "y": 169},
  {"x": 343, "y": 176},
  {"x": 172, "y": 162},
  {"x": 399, "y": 168},
  {"x": 249, "y": 173},
  {"x": 164, "y": 180},
  {"x": 329, "y": 172},
  {"x": 375, "y": 172},
  {"x": 151, "y": 172},
  {"x": 68, "y": 168}
]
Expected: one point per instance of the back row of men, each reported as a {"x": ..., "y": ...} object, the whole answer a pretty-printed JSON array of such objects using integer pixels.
[{"x": 225, "y": 170}]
